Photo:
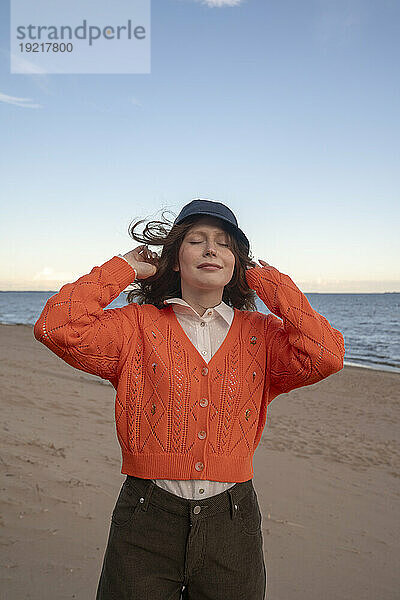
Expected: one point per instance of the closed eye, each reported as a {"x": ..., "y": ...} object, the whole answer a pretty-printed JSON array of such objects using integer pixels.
[{"x": 200, "y": 243}]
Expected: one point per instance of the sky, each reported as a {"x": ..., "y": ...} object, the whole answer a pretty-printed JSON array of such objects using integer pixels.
[{"x": 288, "y": 112}]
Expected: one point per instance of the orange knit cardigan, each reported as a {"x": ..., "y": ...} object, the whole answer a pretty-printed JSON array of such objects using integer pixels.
[{"x": 177, "y": 416}]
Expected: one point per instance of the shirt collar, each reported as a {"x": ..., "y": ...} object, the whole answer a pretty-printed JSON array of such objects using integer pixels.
[{"x": 222, "y": 309}]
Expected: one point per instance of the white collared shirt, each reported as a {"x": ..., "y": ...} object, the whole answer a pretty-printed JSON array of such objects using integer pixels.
[{"x": 207, "y": 334}]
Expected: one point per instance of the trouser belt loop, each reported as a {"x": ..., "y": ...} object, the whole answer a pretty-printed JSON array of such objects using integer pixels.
[
  {"x": 233, "y": 504},
  {"x": 148, "y": 493}
]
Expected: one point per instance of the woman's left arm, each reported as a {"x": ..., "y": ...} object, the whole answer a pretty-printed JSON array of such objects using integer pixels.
[{"x": 303, "y": 348}]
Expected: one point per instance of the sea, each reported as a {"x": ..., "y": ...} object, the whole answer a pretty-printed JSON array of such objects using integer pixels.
[{"x": 369, "y": 322}]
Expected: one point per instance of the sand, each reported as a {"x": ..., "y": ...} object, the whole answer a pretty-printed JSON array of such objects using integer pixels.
[{"x": 326, "y": 472}]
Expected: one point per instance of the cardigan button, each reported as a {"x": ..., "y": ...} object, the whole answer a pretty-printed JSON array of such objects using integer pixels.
[
  {"x": 202, "y": 435},
  {"x": 199, "y": 466},
  {"x": 204, "y": 371},
  {"x": 197, "y": 509},
  {"x": 203, "y": 402}
]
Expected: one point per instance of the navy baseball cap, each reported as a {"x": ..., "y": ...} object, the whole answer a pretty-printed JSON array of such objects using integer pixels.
[{"x": 212, "y": 209}]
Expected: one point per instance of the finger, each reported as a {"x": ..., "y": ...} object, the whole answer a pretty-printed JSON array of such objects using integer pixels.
[{"x": 146, "y": 252}]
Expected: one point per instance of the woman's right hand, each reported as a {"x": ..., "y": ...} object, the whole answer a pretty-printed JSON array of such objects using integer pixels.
[{"x": 143, "y": 261}]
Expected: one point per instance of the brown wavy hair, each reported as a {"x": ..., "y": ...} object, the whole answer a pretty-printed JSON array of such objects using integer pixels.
[{"x": 166, "y": 283}]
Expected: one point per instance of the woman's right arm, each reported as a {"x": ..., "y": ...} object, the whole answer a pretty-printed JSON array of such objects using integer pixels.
[{"x": 74, "y": 325}]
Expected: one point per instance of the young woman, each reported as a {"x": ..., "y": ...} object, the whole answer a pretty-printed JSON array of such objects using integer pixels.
[{"x": 194, "y": 366}]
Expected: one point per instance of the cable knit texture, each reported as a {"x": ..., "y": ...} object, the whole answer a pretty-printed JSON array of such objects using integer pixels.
[{"x": 165, "y": 391}]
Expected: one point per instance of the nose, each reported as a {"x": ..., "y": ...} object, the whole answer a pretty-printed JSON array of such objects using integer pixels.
[{"x": 211, "y": 250}]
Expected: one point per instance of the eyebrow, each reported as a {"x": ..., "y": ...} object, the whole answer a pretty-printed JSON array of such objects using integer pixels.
[{"x": 202, "y": 231}]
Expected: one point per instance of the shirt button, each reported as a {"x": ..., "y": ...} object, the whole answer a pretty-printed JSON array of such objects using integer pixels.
[
  {"x": 201, "y": 491},
  {"x": 197, "y": 509},
  {"x": 209, "y": 312},
  {"x": 202, "y": 324},
  {"x": 204, "y": 371},
  {"x": 203, "y": 402},
  {"x": 202, "y": 435},
  {"x": 204, "y": 351},
  {"x": 199, "y": 466}
]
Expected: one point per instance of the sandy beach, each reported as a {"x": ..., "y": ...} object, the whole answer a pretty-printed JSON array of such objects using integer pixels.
[{"x": 327, "y": 475}]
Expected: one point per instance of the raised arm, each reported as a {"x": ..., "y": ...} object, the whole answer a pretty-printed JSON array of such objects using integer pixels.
[
  {"x": 75, "y": 326},
  {"x": 302, "y": 348}
]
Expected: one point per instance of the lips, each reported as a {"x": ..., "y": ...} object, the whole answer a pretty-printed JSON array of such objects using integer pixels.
[{"x": 209, "y": 266}]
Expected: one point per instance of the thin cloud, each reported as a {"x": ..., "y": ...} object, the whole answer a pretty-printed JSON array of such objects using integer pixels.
[
  {"x": 25, "y": 67},
  {"x": 135, "y": 101},
  {"x": 23, "y": 102},
  {"x": 36, "y": 75},
  {"x": 49, "y": 274},
  {"x": 219, "y": 3}
]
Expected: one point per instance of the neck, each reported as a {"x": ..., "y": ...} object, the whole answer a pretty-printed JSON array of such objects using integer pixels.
[{"x": 202, "y": 300}]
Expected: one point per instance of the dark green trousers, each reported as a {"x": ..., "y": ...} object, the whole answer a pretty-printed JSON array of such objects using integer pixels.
[{"x": 164, "y": 547}]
